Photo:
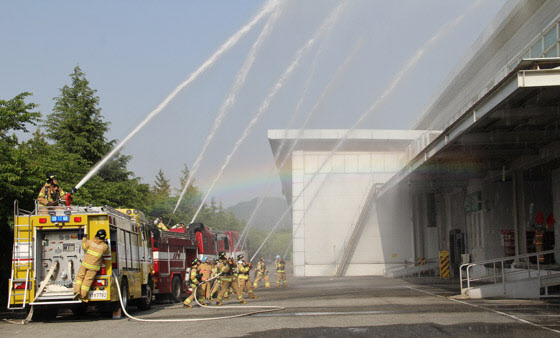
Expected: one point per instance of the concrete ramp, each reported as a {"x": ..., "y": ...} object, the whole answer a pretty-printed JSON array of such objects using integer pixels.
[{"x": 528, "y": 288}]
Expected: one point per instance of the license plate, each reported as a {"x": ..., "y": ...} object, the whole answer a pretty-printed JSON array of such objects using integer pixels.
[{"x": 98, "y": 294}]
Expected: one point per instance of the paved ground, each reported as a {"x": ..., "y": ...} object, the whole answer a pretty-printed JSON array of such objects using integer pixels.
[{"x": 324, "y": 307}]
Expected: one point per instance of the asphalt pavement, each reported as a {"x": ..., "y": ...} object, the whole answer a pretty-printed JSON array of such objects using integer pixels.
[{"x": 319, "y": 307}]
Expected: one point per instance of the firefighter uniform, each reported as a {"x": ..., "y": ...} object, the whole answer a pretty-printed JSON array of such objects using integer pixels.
[
  {"x": 281, "y": 273},
  {"x": 206, "y": 271},
  {"x": 216, "y": 284},
  {"x": 227, "y": 269},
  {"x": 195, "y": 280},
  {"x": 245, "y": 279},
  {"x": 95, "y": 249},
  {"x": 50, "y": 193},
  {"x": 262, "y": 273}
]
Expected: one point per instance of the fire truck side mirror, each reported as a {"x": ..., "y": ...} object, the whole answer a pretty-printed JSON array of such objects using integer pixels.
[{"x": 80, "y": 233}]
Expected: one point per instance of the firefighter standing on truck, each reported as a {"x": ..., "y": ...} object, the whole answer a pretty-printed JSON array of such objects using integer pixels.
[
  {"x": 262, "y": 273},
  {"x": 91, "y": 264},
  {"x": 244, "y": 278},
  {"x": 226, "y": 268},
  {"x": 280, "y": 272},
  {"x": 195, "y": 280},
  {"x": 50, "y": 193}
]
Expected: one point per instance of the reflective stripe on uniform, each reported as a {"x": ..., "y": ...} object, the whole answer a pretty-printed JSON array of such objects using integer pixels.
[
  {"x": 93, "y": 253},
  {"x": 91, "y": 267}
]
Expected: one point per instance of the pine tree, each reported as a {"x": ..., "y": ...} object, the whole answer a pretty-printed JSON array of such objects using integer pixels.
[
  {"x": 162, "y": 188},
  {"x": 76, "y": 123}
]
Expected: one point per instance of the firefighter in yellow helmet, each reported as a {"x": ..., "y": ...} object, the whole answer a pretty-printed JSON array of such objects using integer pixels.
[
  {"x": 91, "y": 264},
  {"x": 160, "y": 225},
  {"x": 262, "y": 273},
  {"x": 227, "y": 278},
  {"x": 195, "y": 280},
  {"x": 50, "y": 193},
  {"x": 244, "y": 278},
  {"x": 280, "y": 272}
]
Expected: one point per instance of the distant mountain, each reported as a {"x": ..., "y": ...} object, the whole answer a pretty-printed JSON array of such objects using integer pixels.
[{"x": 267, "y": 215}]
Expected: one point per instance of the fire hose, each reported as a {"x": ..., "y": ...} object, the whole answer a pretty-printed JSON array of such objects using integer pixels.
[{"x": 265, "y": 308}]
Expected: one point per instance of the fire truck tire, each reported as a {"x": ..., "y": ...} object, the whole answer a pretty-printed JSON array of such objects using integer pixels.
[
  {"x": 146, "y": 303},
  {"x": 124, "y": 292},
  {"x": 45, "y": 313},
  {"x": 176, "y": 290},
  {"x": 79, "y": 309}
]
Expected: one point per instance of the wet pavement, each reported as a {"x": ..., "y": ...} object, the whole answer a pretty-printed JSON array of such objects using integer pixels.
[{"x": 322, "y": 307}]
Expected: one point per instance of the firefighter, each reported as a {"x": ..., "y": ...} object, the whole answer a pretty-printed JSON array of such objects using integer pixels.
[
  {"x": 206, "y": 271},
  {"x": 216, "y": 283},
  {"x": 280, "y": 272},
  {"x": 262, "y": 273},
  {"x": 244, "y": 278},
  {"x": 50, "y": 193},
  {"x": 195, "y": 280},
  {"x": 160, "y": 225},
  {"x": 227, "y": 269},
  {"x": 95, "y": 249}
]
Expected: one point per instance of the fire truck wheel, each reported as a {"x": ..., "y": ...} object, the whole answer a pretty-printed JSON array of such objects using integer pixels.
[
  {"x": 79, "y": 309},
  {"x": 146, "y": 303},
  {"x": 45, "y": 313},
  {"x": 124, "y": 292},
  {"x": 176, "y": 290}
]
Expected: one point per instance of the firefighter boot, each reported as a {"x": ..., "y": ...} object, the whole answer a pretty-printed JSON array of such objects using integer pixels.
[
  {"x": 242, "y": 301},
  {"x": 218, "y": 303},
  {"x": 252, "y": 295}
]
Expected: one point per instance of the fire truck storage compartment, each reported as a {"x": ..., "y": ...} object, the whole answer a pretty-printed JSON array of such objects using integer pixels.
[{"x": 64, "y": 247}]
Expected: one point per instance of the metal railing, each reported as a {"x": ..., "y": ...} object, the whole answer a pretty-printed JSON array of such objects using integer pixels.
[{"x": 496, "y": 270}]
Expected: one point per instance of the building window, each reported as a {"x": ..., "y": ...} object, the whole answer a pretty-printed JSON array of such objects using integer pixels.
[
  {"x": 550, "y": 37},
  {"x": 536, "y": 49},
  {"x": 553, "y": 52}
]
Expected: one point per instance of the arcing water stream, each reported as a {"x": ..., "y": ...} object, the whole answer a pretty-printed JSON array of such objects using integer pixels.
[
  {"x": 412, "y": 62},
  {"x": 327, "y": 23},
  {"x": 232, "y": 41},
  {"x": 230, "y": 100},
  {"x": 315, "y": 107}
]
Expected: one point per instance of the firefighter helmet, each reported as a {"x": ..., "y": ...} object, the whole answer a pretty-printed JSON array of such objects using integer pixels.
[
  {"x": 240, "y": 257},
  {"x": 195, "y": 261},
  {"x": 204, "y": 259},
  {"x": 51, "y": 178},
  {"x": 262, "y": 259},
  {"x": 222, "y": 255},
  {"x": 277, "y": 256},
  {"x": 101, "y": 234}
]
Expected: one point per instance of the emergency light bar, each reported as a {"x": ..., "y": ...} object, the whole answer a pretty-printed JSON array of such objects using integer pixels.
[{"x": 60, "y": 219}]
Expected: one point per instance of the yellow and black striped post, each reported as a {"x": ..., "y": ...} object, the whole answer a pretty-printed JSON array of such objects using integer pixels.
[
  {"x": 444, "y": 264},
  {"x": 421, "y": 261}
]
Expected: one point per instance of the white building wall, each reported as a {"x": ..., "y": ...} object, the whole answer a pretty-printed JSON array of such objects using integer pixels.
[{"x": 332, "y": 197}]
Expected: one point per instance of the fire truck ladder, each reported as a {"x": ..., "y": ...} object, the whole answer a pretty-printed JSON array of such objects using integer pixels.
[
  {"x": 22, "y": 258},
  {"x": 353, "y": 241}
]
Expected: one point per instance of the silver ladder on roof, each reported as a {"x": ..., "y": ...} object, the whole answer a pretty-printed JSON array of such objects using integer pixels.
[
  {"x": 353, "y": 241},
  {"x": 22, "y": 257}
]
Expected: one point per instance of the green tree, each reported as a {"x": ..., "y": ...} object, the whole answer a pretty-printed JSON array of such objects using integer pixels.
[
  {"x": 162, "y": 188},
  {"x": 76, "y": 123}
]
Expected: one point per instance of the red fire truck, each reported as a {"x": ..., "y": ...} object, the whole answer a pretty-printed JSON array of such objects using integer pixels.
[
  {"x": 211, "y": 242},
  {"x": 172, "y": 253}
]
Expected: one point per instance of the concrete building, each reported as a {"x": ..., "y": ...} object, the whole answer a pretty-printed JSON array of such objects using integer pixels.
[{"x": 480, "y": 172}]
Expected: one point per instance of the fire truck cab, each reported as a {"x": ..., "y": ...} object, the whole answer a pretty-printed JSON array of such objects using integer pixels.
[
  {"x": 173, "y": 252},
  {"x": 47, "y": 255}
]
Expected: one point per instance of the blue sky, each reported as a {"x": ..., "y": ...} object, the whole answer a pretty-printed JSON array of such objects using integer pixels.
[{"x": 134, "y": 53}]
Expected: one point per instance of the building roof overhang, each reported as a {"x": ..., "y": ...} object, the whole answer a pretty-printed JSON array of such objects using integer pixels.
[{"x": 515, "y": 126}]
